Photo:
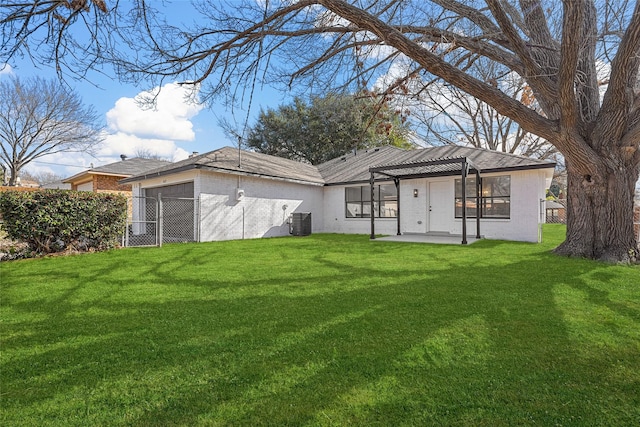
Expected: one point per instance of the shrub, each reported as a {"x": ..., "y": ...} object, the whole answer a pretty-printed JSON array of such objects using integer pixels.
[{"x": 59, "y": 220}]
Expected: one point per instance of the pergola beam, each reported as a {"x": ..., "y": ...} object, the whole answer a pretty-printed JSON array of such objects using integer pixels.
[{"x": 434, "y": 162}]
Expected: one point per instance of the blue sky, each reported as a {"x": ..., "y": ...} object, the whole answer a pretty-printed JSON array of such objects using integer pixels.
[{"x": 173, "y": 131}]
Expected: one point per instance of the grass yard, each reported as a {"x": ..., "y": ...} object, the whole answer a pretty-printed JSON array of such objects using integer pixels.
[{"x": 323, "y": 330}]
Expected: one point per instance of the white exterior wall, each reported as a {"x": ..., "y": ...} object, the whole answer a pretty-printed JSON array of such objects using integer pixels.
[
  {"x": 260, "y": 213},
  {"x": 527, "y": 188},
  {"x": 263, "y": 211},
  {"x": 335, "y": 220},
  {"x": 413, "y": 216},
  {"x": 176, "y": 178}
]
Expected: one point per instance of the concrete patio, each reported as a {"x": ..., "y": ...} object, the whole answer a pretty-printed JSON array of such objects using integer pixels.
[{"x": 437, "y": 238}]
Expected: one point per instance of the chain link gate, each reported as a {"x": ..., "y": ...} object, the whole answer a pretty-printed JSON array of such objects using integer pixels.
[
  {"x": 142, "y": 222},
  {"x": 153, "y": 221},
  {"x": 177, "y": 220}
]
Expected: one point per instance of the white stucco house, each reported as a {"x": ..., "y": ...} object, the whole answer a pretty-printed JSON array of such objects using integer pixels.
[{"x": 240, "y": 194}]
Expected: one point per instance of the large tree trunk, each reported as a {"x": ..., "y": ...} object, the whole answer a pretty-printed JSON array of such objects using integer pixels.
[
  {"x": 13, "y": 179},
  {"x": 600, "y": 214}
]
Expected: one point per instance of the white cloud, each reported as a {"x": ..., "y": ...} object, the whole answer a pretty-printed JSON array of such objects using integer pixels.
[
  {"x": 119, "y": 143},
  {"x": 135, "y": 125},
  {"x": 603, "y": 72},
  {"x": 6, "y": 69},
  {"x": 398, "y": 69},
  {"x": 63, "y": 164},
  {"x": 168, "y": 117},
  {"x": 133, "y": 129}
]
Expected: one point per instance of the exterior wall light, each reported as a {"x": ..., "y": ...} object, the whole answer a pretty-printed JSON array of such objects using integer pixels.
[{"x": 415, "y": 192}]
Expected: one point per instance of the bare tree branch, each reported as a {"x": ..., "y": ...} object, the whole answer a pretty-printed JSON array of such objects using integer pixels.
[
  {"x": 507, "y": 106},
  {"x": 621, "y": 95},
  {"x": 39, "y": 117},
  {"x": 544, "y": 87}
]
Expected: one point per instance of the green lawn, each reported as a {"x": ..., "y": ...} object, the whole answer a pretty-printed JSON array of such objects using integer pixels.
[{"x": 321, "y": 330}]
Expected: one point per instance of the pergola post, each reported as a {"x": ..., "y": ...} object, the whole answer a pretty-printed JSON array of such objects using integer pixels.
[
  {"x": 478, "y": 203},
  {"x": 396, "y": 181},
  {"x": 464, "y": 201},
  {"x": 373, "y": 227}
]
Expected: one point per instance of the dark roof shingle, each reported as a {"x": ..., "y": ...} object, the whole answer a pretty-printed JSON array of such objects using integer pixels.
[
  {"x": 124, "y": 168},
  {"x": 352, "y": 167},
  {"x": 229, "y": 159},
  {"x": 132, "y": 166}
]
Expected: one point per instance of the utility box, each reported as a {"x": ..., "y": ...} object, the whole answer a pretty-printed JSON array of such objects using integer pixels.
[{"x": 300, "y": 224}]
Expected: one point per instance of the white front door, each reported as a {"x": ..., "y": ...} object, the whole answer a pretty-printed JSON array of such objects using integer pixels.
[{"x": 439, "y": 205}]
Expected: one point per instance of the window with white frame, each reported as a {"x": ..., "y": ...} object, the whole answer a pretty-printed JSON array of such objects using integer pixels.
[
  {"x": 358, "y": 201},
  {"x": 495, "y": 200}
]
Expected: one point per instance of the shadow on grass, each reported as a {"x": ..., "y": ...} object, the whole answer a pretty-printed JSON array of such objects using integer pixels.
[{"x": 325, "y": 331}]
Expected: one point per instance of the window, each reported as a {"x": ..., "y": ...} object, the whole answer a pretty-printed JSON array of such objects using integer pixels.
[
  {"x": 495, "y": 198},
  {"x": 358, "y": 201}
]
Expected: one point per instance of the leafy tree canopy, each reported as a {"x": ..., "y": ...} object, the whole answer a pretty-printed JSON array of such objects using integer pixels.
[{"x": 327, "y": 127}]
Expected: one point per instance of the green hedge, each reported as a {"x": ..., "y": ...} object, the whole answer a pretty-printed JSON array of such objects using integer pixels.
[{"x": 60, "y": 220}]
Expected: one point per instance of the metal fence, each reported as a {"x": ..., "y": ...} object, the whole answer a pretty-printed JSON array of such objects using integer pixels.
[
  {"x": 142, "y": 222},
  {"x": 555, "y": 211},
  {"x": 153, "y": 221},
  {"x": 177, "y": 220}
]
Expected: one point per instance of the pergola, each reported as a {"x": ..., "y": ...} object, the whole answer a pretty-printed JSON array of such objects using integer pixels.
[{"x": 427, "y": 169}]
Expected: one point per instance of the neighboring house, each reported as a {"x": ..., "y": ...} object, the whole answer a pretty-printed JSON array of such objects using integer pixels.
[
  {"x": 56, "y": 185},
  {"x": 242, "y": 194},
  {"x": 105, "y": 178},
  {"x": 556, "y": 211}
]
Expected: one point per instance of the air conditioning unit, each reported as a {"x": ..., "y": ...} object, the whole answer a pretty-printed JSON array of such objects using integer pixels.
[
  {"x": 300, "y": 224},
  {"x": 239, "y": 194}
]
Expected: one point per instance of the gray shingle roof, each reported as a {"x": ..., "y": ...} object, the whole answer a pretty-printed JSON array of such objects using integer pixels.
[
  {"x": 353, "y": 167},
  {"x": 226, "y": 160},
  {"x": 124, "y": 168},
  {"x": 552, "y": 204},
  {"x": 129, "y": 167}
]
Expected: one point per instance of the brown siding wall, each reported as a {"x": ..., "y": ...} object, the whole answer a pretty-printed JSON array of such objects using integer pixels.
[{"x": 101, "y": 182}]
